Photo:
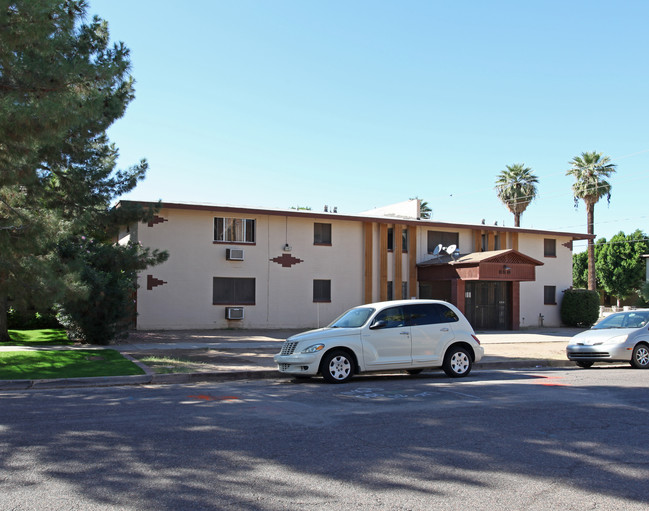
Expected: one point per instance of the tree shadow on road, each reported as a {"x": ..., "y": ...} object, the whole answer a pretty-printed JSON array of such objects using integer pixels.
[{"x": 284, "y": 446}]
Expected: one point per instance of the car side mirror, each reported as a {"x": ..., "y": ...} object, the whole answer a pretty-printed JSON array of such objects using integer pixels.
[{"x": 377, "y": 325}]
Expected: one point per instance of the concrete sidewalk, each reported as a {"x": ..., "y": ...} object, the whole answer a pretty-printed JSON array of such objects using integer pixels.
[{"x": 248, "y": 354}]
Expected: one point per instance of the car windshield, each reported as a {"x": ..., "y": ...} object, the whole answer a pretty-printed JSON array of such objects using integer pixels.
[
  {"x": 354, "y": 318},
  {"x": 631, "y": 319}
]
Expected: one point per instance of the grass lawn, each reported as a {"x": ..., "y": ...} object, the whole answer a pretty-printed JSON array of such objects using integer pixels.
[
  {"x": 47, "y": 337},
  {"x": 44, "y": 364}
]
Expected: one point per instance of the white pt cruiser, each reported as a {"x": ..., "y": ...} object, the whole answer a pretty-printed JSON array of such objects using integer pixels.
[{"x": 405, "y": 334}]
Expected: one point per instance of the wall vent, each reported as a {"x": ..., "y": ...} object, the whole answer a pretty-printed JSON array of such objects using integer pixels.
[
  {"x": 234, "y": 254},
  {"x": 234, "y": 313}
]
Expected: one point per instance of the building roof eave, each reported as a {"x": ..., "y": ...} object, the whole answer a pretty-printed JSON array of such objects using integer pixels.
[{"x": 354, "y": 218}]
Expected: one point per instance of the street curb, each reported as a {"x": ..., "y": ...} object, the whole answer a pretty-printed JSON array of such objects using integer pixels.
[
  {"x": 179, "y": 378},
  {"x": 252, "y": 374},
  {"x": 524, "y": 364}
]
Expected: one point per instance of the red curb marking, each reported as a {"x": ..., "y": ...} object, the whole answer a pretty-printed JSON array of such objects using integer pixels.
[{"x": 553, "y": 384}]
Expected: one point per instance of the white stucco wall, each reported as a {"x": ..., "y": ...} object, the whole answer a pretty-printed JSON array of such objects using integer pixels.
[
  {"x": 284, "y": 296},
  {"x": 556, "y": 271}
]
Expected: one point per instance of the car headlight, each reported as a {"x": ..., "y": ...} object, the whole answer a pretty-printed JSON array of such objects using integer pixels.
[
  {"x": 617, "y": 340},
  {"x": 314, "y": 348}
]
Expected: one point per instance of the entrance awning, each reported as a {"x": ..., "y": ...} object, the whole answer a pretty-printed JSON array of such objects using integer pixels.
[{"x": 496, "y": 265}]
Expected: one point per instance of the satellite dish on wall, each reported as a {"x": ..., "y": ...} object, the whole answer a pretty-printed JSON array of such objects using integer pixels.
[
  {"x": 437, "y": 250},
  {"x": 450, "y": 249}
]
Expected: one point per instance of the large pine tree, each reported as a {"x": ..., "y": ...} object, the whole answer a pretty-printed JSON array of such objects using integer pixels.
[{"x": 62, "y": 84}]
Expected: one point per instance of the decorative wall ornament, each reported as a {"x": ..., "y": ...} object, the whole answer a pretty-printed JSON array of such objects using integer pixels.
[
  {"x": 286, "y": 260},
  {"x": 156, "y": 220},
  {"x": 152, "y": 282}
]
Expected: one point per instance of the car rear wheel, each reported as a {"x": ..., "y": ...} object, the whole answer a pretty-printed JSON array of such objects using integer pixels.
[
  {"x": 457, "y": 363},
  {"x": 583, "y": 363},
  {"x": 640, "y": 357},
  {"x": 337, "y": 367}
]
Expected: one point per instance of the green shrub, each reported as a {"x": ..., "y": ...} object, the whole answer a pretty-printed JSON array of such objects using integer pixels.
[
  {"x": 31, "y": 320},
  {"x": 579, "y": 307},
  {"x": 106, "y": 310}
]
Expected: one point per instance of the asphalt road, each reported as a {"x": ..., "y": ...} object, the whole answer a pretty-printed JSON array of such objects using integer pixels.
[{"x": 498, "y": 440}]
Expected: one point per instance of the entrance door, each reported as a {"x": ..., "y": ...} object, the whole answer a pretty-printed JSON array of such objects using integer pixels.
[{"x": 487, "y": 305}]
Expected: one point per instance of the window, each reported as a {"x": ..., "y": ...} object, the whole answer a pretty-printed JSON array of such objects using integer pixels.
[
  {"x": 321, "y": 290},
  {"x": 390, "y": 318},
  {"x": 233, "y": 291},
  {"x": 550, "y": 295},
  {"x": 321, "y": 234},
  {"x": 390, "y": 292},
  {"x": 234, "y": 230},
  {"x": 404, "y": 289},
  {"x": 429, "y": 314},
  {"x": 484, "y": 242},
  {"x": 404, "y": 239},
  {"x": 447, "y": 315},
  {"x": 446, "y": 239},
  {"x": 550, "y": 248}
]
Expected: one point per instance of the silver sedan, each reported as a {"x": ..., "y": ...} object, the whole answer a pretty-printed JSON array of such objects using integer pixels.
[{"x": 620, "y": 337}]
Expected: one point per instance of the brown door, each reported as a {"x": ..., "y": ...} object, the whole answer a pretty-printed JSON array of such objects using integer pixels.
[{"x": 488, "y": 305}]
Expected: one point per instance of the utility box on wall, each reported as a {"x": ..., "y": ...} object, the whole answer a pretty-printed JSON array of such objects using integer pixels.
[
  {"x": 234, "y": 254},
  {"x": 234, "y": 313}
]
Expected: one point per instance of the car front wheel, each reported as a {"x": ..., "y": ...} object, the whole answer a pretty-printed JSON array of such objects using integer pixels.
[
  {"x": 337, "y": 367},
  {"x": 457, "y": 363},
  {"x": 640, "y": 357}
]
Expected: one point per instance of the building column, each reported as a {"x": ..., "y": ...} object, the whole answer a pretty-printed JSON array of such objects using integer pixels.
[
  {"x": 368, "y": 229},
  {"x": 514, "y": 240},
  {"x": 412, "y": 260},
  {"x": 458, "y": 290},
  {"x": 397, "y": 246},
  {"x": 516, "y": 306},
  {"x": 383, "y": 262},
  {"x": 477, "y": 240}
]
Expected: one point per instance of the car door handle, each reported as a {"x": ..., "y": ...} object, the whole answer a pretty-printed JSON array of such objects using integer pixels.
[
  {"x": 404, "y": 333},
  {"x": 444, "y": 329}
]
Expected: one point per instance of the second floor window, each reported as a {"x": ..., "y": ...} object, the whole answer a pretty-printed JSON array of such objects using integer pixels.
[
  {"x": 404, "y": 239},
  {"x": 234, "y": 230},
  {"x": 321, "y": 234},
  {"x": 549, "y": 247},
  {"x": 446, "y": 239}
]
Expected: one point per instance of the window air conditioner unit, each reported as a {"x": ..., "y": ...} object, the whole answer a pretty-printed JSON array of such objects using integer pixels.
[
  {"x": 234, "y": 312},
  {"x": 234, "y": 254}
]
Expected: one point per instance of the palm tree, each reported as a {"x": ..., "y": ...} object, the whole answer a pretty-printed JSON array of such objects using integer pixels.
[
  {"x": 590, "y": 171},
  {"x": 424, "y": 209},
  {"x": 516, "y": 188}
]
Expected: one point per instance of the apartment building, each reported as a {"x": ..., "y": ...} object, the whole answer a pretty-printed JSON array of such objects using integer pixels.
[{"x": 235, "y": 267}]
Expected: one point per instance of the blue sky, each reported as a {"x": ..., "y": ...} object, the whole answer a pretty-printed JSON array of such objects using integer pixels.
[{"x": 363, "y": 103}]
